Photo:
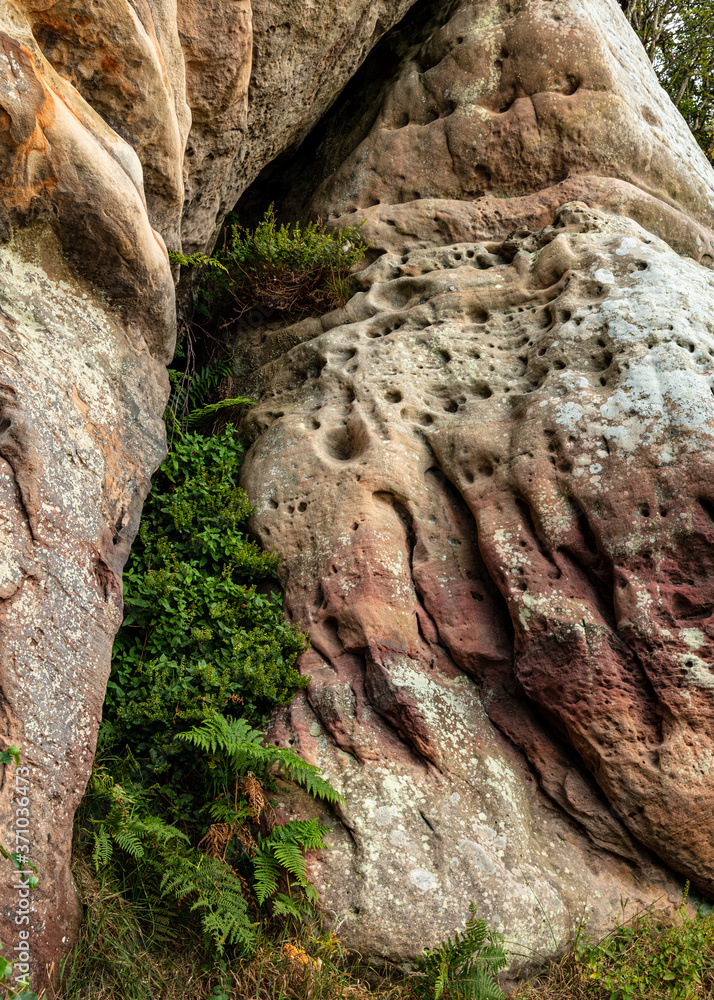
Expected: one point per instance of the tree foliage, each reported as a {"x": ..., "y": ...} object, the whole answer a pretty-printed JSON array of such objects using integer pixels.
[{"x": 678, "y": 37}]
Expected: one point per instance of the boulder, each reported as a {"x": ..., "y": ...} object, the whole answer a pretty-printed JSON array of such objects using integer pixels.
[{"x": 489, "y": 476}]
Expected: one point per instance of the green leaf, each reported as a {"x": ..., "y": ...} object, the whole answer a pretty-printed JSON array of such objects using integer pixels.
[{"x": 10, "y": 756}]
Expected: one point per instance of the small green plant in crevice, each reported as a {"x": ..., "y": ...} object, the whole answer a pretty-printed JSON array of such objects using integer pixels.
[
  {"x": 189, "y": 407},
  {"x": 462, "y": 968},
  {"x": 285, "y": 271}
]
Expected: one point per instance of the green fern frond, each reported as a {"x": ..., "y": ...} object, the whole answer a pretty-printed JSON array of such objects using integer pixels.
[
  {"x": 130, "y": 843},
  {"x": 266, "y": 872},
  {"x": 308, "y": 775},
  {"x": 465, "y": 966},
  {"x": 195, "y": 260},
  {"x": 292, "y": 859},
  {"x": 211, "y": 409},
  {"x": 102, "y": 851},
  {"x": 242, "y": 746}
]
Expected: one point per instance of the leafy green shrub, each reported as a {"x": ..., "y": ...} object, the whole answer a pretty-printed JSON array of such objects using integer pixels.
[
  {"x": 178, "y": 802},
  {"x": 198, "y": 634},
  {"x": 463, "y": 969},
  {"x": 287, "y": 271}
]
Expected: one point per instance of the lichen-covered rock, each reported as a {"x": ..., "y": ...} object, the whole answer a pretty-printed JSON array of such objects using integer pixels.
[
  {"x": 80, "y": 434},
  {"x": 87, "y": 323},
  {"x": 490, "y": 479},
  {"x": 489, "y": 476},
  {"x": 96, "y": 102}
]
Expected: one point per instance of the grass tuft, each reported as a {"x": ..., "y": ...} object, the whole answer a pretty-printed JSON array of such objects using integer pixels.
[{"x": 641, "y": 959}]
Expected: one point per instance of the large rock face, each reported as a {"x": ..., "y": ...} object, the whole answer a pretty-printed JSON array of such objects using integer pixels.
[
  {"x": 491, "y": 485},
  {"x": 291, "y": 59},
  {"x": 490, "y": 479},
  {"x": 82, "y": 389},
  {"x": 488, "y": 475}
]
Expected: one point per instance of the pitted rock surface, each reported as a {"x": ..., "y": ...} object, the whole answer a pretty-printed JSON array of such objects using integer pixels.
[
  {"x": 485, "y": 116},
  {"x": 490, "y": 479},
  {"x": 488, "y": 474},
  {"x": 121, "y": 126}
]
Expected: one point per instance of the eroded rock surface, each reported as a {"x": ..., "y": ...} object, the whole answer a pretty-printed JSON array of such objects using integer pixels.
[
  {"x": 87, "y": 324},
  {"x": 480, "y": 117},
  {"x": 489, "y": 474},
  {"x": 291, "y": 59},
  {"x": 490, "y": 480}
]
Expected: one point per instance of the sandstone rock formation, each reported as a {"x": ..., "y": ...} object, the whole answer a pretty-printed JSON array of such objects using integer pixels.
[
  {"x": 477, "y": 482},
  {"x": 489, "y": 476},
  {"x": 292, "y": 58},
  {"x": 82, "y": 389}
]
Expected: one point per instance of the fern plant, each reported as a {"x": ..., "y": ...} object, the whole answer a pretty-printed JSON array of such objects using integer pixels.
[
  {"x": 179, "y": 799},
  {"x": 189, "y": 405},
  {"x": 241, "y": 766},
  {"x": 463, "y": 968},
  {"x": 217, "y": 893},
  {"x": 232, "y": 747},
  {"x": 229, "y": 869}
]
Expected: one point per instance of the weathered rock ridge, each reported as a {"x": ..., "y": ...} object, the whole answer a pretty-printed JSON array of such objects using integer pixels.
[
  {"x": 488, "y": 475},
  {"x": 81, "y": 394}
]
